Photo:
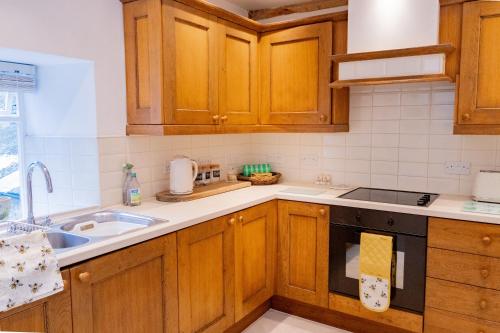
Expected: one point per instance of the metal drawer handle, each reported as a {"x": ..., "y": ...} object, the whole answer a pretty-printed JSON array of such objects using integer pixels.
[
  {"x": 486, "y": 240},
  {"x": 483, "y": 304},
  {"x": 84, "y": 277}
]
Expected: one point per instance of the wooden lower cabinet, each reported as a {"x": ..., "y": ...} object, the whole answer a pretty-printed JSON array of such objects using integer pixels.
[
  {"x": 440, "y": 321},
  {"x": 131, "y": 290},
  {"x": 463, "y": 265},
  {"x": 255, "y": 257},
  {"x": 206, "y": 276},
  {"x": 52, "y": 314},
  {"x": 303, "y": 252}
]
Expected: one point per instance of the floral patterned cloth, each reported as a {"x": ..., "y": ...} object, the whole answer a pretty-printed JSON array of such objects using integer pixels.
[
  {"x": 374, "y": 292},
  {"x": 28, "y": 270}
]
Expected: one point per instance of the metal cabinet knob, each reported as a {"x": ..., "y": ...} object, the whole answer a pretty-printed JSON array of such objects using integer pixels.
[
  {"x": 483, "y": 304},
  {"x": 322, "y": 117},
  {"x": 485, "y": 273},
  {"x": 322, "y": 212},
  {"x": 240, "y": 218},
  {"x": 486, "y": 240},
  {"x": 215, "y": 118},
  {"x": 84, "y": 277},
  {"x": 223, "y": 118},
  {"x": 231, "y": 221},
  {"x": 466, "y": 116}
]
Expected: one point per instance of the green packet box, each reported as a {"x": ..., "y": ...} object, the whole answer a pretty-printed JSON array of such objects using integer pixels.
[{"x": 249, "y": 169}]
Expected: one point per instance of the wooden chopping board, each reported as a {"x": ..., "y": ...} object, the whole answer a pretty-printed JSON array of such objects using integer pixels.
[{"x": 202, "y": 191}]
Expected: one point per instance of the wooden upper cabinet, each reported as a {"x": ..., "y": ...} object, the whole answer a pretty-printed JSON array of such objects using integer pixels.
[
  {"x": 143, "y": 61},
  {"x": 295, "y": 73},
  {"x": 238, "y": 75},
  {"x": 479, "y": 98},
  {"x": 206, "y": 276},
  {"x": 303, "y": 247},
  {"x": 131, "y": 290},
  {"x": 51, "y": 314},
  {"x": 255, "y": 257},
  {"x": 190, "y": 65}
]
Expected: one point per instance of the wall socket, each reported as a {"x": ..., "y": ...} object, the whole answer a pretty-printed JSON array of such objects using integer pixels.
[{"x": 457, "y": 167}]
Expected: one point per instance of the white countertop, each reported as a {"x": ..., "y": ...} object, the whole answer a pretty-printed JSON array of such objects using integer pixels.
[{"x": 184, "y": 214}]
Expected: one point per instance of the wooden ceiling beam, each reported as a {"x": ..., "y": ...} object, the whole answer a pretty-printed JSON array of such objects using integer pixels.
[{"x": 260, "y": 14}]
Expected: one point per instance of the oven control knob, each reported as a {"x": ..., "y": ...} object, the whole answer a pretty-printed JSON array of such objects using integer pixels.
[{"x": 390, "y": 221}]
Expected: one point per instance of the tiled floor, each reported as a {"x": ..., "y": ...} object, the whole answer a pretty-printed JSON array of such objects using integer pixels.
[{"x": 279, "y": 322}]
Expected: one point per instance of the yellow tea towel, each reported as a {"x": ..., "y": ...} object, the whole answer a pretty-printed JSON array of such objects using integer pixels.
[{"x": 375, "y": 271}]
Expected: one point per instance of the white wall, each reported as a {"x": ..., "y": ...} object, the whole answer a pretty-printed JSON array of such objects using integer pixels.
[
  {"x": 85, "y": 29},
  {"x": 64, "y": 103},
  {"x": 376, "y": 25}
]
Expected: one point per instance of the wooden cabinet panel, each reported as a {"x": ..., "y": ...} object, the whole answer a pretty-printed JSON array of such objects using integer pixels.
[
  {"x": 466, "y": 268},
  {"x": 407, "y": 321},
  {"x": 140, "y": 281},
  {"x": 439, "y": 321},
  {"x": 206, "y": 276},
  {"x": 238, "y": 95},
  {"x": 479, "y": 101},
  {"x": 340, "y": 97},
  {"x": 143, "y": 61},
  {"x": 463, "y": 299},
  {"x": 303, "y": 252},
  {"x": 463, "y": 236},
  {"x": 255, "y": 249},
  {"x": 52, "y": 314},
  {"x": 295, "y": 73},
  {"x": 190, "y": 65}
]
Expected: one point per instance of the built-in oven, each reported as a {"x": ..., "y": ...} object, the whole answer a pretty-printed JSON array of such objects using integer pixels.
[{"x": 409, "y": 234}]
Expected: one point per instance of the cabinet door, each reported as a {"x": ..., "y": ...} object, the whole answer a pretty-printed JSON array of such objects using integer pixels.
[
  {"x": 131, "y": 290},
  {"x": 303, "y": 252},
  {"x": 479, "y": 100},
  {"x": 190, "y": 65},
  {"x": 238, "y": 99},
  {"x": 295, "y": 75},
  {"x": 142, "y": 27},
  {"x": 206, "y": 276},
  {"x": 255, "y": 248},
  {"x": 52, "y": 314}
]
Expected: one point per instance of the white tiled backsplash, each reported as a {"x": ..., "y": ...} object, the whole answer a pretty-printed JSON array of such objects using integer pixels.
[
  {"x": 400, "y": 137},
  {"x": 74, "y": 169},
  {"x": 151, "y": 156}
]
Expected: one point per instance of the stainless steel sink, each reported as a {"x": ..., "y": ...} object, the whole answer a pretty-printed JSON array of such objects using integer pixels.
[
  {"x": 109, "y": 216},
  {"x": 94, "y": 227},
  {"x": 63, "y": 240}
]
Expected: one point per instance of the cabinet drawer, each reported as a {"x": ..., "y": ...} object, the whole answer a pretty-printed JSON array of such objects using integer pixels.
[
  {"x": 439, "y": 321},
  {"x": 470, "y": 237},
  {"x": 464, "y": 299},
  {"x": 466, "y": 268}
]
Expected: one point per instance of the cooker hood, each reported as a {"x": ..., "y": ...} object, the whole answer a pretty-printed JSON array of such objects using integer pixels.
[{"x": 392, "y": 41}]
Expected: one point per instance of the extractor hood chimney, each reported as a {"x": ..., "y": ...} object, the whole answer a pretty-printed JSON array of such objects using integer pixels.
[{"x": 392, "y": 41}]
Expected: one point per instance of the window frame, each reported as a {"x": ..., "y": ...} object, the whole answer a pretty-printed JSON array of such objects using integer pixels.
[{"x": 19, "y": 119}]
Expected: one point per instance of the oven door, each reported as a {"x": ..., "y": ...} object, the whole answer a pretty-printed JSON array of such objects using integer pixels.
[{"x": 408, "y": 276}]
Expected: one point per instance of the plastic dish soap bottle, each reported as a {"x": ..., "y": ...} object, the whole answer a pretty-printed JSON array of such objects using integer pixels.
[
  {"x": 127, "y": 171},
  {"x": 133, "y": 191}
]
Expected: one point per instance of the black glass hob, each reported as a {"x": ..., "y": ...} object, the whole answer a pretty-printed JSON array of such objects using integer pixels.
[{"x": 391, "y": 196}]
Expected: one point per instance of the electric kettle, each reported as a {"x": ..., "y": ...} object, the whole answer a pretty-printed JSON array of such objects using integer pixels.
[{"x": 183, "y": 172}]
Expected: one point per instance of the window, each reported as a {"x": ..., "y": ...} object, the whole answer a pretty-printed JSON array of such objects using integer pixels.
[{"x": 10, "y": 177}]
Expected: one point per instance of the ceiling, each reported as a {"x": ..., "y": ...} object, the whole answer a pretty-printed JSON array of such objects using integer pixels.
[{"x": 259, "y": 4}]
